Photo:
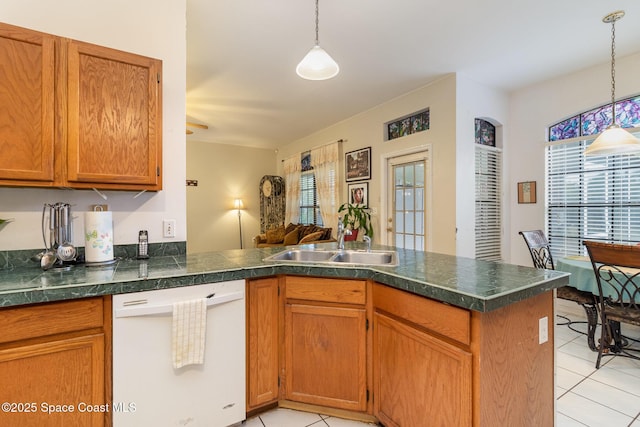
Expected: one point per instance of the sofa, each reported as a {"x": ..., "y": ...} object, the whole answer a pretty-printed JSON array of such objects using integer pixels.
[{"x": 293, "y": 234}]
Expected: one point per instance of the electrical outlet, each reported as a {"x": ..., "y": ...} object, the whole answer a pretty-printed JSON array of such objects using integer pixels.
[
  {"x": 543, "y": 330},
  {"x": 169, "y": 228}
]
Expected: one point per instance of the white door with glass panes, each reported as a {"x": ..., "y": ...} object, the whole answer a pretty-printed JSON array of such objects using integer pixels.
[{"x": 407, "y": 201}]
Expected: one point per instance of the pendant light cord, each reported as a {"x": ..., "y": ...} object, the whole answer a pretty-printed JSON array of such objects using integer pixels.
[
  {"x": 613, "y": 71},
  {"x": 317, "y": 23}
]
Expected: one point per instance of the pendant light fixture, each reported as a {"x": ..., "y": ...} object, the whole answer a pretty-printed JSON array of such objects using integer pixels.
[
  {"x": 317, "y": 64},
  {"x": 614, "y": 140}
]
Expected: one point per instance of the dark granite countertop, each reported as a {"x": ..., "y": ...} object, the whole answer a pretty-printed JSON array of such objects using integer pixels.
[{"x": 463, "y": 282}]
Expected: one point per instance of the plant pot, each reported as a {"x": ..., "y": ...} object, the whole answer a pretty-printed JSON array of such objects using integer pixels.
[{"x": 351, "y": 237}]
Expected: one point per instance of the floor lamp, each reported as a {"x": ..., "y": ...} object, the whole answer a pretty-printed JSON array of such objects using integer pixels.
[{"x": 237, "y": 204}]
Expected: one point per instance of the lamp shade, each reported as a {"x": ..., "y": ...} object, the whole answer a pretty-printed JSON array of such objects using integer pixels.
[
  {"x": 317, "y": 65},
  {"x": 614, "y": 140},
  {"x": 237, "y": 204}
]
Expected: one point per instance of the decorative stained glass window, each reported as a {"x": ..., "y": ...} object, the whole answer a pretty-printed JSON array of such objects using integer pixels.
[
  {"x": 628, "y": 112},
  {"x": 485, "y": 133},
  {"x": 596, "y": 120},
  {"x": 569, "y": 128},
  {"x": 415, "y": 123}
]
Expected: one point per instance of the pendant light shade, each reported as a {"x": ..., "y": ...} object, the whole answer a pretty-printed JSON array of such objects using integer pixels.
[
  {"x": 614, "y": 140},
  {"x": 317, "y": 64}
]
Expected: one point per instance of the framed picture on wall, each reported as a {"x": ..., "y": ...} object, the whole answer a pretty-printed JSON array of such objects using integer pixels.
[
  {"x": 359, "y": 193},
  {"x": 527, "y": 192},
  {"x": 358, "y": 165}
]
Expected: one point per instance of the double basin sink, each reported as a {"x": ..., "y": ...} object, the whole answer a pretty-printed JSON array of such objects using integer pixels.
[{"x": 336, "y": 257}]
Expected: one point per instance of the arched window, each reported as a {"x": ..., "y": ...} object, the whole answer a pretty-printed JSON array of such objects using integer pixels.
[{"x": 591, "y": 198}]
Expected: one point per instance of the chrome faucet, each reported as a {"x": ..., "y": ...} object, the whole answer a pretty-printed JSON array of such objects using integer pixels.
[
  {"x": 341, "y": 233},
  {"x": 367, "y": 240}
]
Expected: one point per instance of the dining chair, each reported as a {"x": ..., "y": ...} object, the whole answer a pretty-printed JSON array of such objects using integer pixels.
[
  {"x": 617, "y": 271},
  {"x": 541, "y": 256}
]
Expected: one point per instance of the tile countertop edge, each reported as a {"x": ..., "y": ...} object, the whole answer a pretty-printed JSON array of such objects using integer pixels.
[{"x": 450, "y": 296}]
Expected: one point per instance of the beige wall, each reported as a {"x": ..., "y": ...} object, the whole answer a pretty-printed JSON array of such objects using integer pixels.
[
  {"x": 224, "y": 173},
  {"x": 367, "y": 130}
]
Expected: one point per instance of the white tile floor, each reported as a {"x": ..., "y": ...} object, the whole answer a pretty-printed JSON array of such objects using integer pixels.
[{"x": 609, "y": 396}]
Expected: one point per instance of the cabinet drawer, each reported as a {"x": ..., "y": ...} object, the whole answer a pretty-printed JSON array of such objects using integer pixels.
[
  {"x": 452, "y": 322},
  {"x": 326, "y": 290},
  {"x": 23, "y": 322}
]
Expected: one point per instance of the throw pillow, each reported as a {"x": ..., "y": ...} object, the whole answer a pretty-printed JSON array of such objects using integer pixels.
[
  {"x": 327, "y": 234},
  {"x": 311, "y": 237},
  {"x": 291, "y": 238},
  {"x": 275, "y": 235},
  {"x": 308, "y": 229},
  {"x": 289, "y": 228}
]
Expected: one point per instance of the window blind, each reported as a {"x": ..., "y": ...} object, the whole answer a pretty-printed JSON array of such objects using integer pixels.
[
  {"x": 488, "y": 230},
  {"x": 309, "y": 209},
  {"x": 590, "y": 198}
]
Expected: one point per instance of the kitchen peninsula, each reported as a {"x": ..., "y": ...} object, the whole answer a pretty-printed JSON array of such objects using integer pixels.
[{"x": 457, "y": 340}]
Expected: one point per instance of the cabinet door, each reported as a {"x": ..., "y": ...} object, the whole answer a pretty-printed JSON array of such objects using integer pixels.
[
  {"x": 48, "y": 375},
  {"x": 325, "y": 356},
  {"x": 262, "y": 345},
  {"x": 114, "y": 119},
  {"x": 418, "y": 379},
  {"x": 26, "y": 106}
]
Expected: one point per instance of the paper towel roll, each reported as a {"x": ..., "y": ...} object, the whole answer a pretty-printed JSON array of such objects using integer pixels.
[{"x": 98, "y": 236}]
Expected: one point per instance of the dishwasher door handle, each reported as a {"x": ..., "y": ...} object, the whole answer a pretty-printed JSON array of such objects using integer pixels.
[{"x": 141, "y": 308}]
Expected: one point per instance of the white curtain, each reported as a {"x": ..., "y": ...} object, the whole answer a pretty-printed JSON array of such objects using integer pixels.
[
  {"x": 292, "y": 169},
  {"x": 324, "y": 161}
]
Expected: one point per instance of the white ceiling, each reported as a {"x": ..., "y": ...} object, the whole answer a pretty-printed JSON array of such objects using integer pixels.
[{"x": 242, "y": 54}]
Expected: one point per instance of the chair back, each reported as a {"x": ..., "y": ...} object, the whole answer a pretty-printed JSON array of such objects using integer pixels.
[
  {"x": 539, "y": 248},
  {"x": 617, "y": 271}
]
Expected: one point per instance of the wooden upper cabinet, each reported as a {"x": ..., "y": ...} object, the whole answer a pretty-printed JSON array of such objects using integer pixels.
[
  {"x": 78, "y": 115},
  {"x": 27, "y": 76},
  {"x": 114, "y": 118}
]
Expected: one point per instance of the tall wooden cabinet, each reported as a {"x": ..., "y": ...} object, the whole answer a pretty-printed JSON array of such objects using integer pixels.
[
  {"x": 55, "y": 364},
  {"x": 78, "y": 115},
  {"x": 262, "y": 342}
]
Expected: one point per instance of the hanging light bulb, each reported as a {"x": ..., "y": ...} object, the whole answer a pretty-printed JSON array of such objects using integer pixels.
[
  {"x": 317, "y": 64},
  {"x": 614, "y": 140}
]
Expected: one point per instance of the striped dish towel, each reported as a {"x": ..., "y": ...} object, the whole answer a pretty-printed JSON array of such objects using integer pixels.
[{"x": 188, "y": 334}]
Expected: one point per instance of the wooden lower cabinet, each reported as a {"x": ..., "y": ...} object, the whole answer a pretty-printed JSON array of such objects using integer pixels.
[
  {"x": 423, "y": 363},
  {"x": 439, "y": 365},
  {"x": 55, "y": 364},
  {"x": 418, "y": 377},
  {"x": 262, "y": 342},
  {"x": 325, "y": 356}
]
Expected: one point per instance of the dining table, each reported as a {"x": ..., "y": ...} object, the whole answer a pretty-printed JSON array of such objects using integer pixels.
[{"x": 583, "y": 278}]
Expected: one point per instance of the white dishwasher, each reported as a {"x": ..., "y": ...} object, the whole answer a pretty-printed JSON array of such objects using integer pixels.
[{"x": 147, "y": 390}]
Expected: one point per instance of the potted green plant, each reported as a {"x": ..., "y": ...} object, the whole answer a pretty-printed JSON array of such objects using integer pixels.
[{"x": 356, "y": 217}]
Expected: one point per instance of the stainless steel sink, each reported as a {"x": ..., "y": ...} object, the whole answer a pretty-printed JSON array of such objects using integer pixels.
[
  {"x": 387, "y": 258},
  {"x": 301, "y": 256},
  {"x": 373, "y": 258}
]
